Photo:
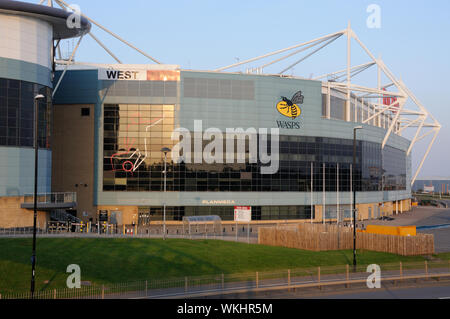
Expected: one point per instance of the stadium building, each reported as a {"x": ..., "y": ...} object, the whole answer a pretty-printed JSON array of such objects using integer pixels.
[{"x": 106, "y": 126}]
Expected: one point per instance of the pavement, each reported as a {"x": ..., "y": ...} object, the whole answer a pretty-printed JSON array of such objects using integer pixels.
[
  {"x": 418, "y": 216},
  {"x": 424, "y": 216}
]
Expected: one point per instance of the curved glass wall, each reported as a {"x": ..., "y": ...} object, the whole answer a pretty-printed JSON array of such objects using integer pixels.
[
  {"x": 135, "y": 134},
  {"x": 17, "y": 114}
]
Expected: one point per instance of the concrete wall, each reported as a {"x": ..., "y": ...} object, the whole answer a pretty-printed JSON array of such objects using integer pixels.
[
  {"x": 73, "y": 155},
  {"x": 25, "y": 49},
  {"x": 129, "y": 214},
  {"x": 26, "y": 39},
  {"x": 11, "y": 215},
  {"x": 17, "y": 171}
]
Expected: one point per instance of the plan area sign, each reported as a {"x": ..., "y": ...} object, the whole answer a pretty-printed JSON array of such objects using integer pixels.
[{"x": 242, "y": 213}]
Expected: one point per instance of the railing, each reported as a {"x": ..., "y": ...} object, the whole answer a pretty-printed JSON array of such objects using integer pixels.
[
  {"x": 214, "y": 285},
  {"x": 63, "y": 216},
  {"x": 63, "y": 230},
  {"x": 52, "y": 198}
]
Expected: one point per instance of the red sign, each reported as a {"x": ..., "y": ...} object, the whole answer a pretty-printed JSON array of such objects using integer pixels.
[{"x": 388, "y": 100}]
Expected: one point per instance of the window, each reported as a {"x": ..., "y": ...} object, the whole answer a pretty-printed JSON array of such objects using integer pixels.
[
  {"x": 85, "y": 111},
  {"x": 17, "y": 114},
  {"x": 126, "y": 168}
]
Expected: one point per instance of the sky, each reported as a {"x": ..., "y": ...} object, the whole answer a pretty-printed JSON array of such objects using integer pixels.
[{"x": 199, "y": 34}]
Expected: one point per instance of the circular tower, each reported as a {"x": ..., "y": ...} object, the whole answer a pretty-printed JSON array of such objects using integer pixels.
[{"x": 28, "y": 33}]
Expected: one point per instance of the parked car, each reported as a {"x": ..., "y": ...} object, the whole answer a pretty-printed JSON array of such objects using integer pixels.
[{"x": 386, "y": 218}]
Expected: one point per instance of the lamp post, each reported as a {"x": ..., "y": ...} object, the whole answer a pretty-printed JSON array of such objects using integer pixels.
[
  {"x": 36, "y": 147},
  {"x": 354, "y": 195},
  {"x": 165, "y": 150}
]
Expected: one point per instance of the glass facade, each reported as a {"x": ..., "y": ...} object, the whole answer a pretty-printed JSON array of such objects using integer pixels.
[
  {"x": 133, "y": 161},
  {"x": 155, "y": 213},
  {"x": 17, "y": 114},
  {"x": 133, "y": 138}
]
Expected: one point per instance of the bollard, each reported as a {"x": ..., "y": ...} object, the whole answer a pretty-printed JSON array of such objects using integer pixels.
[
  {"x": 426, "y": 269},
  {"x": 103, "y": 291},
  {"x": 54, "y": 293},
  {"x": 185, "y": 284}
]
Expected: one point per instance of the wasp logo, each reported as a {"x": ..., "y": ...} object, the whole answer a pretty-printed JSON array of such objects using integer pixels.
[{"x": 289, "y": 107}]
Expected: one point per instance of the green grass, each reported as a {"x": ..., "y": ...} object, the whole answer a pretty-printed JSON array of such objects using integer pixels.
[{"x": 104, "y": 261}]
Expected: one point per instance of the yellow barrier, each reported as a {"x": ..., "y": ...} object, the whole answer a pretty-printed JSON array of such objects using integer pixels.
[{"x": 391, "y": 230}]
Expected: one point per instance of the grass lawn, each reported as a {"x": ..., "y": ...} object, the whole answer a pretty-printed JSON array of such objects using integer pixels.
[{"x": 104, "y": 261}]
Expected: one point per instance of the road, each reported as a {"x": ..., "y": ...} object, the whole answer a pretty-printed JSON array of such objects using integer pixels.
[
  {"x": 441, "y": 235},
  {"x": 388, "y": 290},
  {"x": 424, "y": 216},
  {"x": 438, "y": 292}
]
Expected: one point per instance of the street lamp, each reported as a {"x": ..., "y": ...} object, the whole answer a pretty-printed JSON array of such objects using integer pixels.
[
  {"x": 165, "y": 150},
  {"x": 36, "y": 147},
  {"x": 354, "y": 195}
]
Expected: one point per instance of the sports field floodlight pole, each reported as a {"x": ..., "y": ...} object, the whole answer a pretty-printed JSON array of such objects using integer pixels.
[
  {"x": 36, "y": 148},
  {"x": 354, "y": 196},
  {"x": 165, "y": 150}
]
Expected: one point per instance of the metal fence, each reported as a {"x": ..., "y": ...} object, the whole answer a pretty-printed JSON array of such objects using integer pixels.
[
  {"x": 61, "y": 230},
  {"x": 234, "y": 283}
]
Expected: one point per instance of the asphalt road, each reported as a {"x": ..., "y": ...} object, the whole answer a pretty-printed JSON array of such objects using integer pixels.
[
  {"x": 439, "y": 292},
  {"x": 424, "y": 216},
  {"x": 441, "y": 235},
  {"x": 389, "y": 290}
]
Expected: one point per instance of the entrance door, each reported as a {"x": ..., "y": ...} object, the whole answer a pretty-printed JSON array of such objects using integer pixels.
[{"x": 116, "y": 218}]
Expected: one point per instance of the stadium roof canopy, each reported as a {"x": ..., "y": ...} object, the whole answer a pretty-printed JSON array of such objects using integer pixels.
[{"x": 55, "y": 16}]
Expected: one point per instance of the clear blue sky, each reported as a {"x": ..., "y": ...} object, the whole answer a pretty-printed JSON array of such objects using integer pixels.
[{"x": 201, "y": 34}]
